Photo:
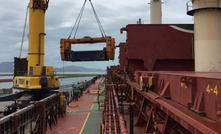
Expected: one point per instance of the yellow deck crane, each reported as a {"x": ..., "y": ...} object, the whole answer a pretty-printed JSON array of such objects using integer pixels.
[
  {"x": 30, "y": 73},
  {"x": 107, "y": 53}
]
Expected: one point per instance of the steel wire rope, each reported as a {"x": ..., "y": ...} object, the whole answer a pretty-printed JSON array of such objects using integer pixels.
[
  {"x": 23, "y": 32},
  {"x": 77, "y": 22},
  {"x": 96, "y": 17},
  {"x": 80, "y": 19},
  {"x": 77, "y": 19},
  {"x": 98, "y": 21},
  {"x": 63, "y": 69}
]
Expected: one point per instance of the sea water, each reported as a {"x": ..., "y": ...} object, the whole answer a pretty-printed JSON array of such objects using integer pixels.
[{"x": 63, "y": 81}]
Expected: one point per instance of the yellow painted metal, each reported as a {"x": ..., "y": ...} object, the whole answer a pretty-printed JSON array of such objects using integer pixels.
[
  {"x": 141, "y": 82},
  {"x": 19, "y": 102},
  {"x": 110, "y": 48},
  {"x": 36, "y": 68},
  {"x": 36, "y": 35},
  {"x": 34, "y": 82},
  {"x": 62, "y": 101},
  {"x": 150, "y": 81},
  {"x": 65, "y": 45},
  {"x": 102, "y": 129},
  {"x": 49, "y": 70}
]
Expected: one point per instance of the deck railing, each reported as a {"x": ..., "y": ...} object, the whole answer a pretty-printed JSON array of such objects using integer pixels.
[
  {"x": 190, "y": 6},
  {"x": 36, "y": 116}
]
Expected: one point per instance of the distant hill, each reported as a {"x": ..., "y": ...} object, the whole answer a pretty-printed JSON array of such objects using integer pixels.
[
  {"x": 77, "y": 69},
  {"x": 8, "y": 67}
]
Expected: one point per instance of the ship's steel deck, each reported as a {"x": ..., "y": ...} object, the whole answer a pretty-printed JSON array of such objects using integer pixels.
[{"x": 84, "y": 119}]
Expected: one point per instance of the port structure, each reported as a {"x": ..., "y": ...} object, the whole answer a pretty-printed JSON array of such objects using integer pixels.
[
  {"x": 30, "y": 73},
  {"x": 106, "y": 54}
]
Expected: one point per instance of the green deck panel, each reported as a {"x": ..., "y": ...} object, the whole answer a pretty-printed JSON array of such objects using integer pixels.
[
  {"x": 96, "y": 104},
  {"x": 186, "y": 26},
  {"x": 94, "y": 121}
]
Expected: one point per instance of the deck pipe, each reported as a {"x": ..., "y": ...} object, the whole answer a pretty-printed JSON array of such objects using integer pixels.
[
  {"x": 123, "y": 129},
  {"x": 109, "y": 112}
]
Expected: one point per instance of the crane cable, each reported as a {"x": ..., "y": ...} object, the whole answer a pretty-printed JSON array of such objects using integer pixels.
[
  {"x": 80, "y": 18},
  {"x": 77, "y": 22},
  {"x": 98, "y": 21},
  {"x": 23, "y": 32}
]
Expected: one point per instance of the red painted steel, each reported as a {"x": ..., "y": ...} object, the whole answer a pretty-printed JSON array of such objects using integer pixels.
[
  {"x": 123, "y": 129},
  {"x": 184, "y": 117},
  {"x": 35, "y": 112},
  {"x": 43, "y": 119},
  {"x": 178, "y": 102},
  {"x": 122, "y": 56},
  {"x": 149, "y": 47},
  {"x": 196, "y": 91},
  {"x": 15, "y": 120},
  {"x": 113, "y": 120}
]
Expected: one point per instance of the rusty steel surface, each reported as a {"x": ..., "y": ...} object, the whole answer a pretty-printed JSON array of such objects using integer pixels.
[{"x": 158, "y": 47}]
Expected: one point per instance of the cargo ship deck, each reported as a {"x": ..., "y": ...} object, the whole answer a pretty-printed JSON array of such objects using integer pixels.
[{"x": 82, "y": 116}]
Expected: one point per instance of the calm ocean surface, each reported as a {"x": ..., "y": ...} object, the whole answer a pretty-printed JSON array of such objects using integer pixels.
[{"x": 64, "y": 81}]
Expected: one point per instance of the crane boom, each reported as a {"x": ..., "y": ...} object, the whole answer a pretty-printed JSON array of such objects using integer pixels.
[{"x": 30, "y": 72}]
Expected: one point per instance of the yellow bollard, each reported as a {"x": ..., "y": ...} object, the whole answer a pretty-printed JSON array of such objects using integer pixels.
[
  {"x": 150, "y": 82},
  {"x": 141, "y": 83},
  {"x": 62, "y": 102}
]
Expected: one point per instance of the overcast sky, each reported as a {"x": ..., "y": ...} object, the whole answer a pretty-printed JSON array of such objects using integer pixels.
[{"x": 61, "y": 16}]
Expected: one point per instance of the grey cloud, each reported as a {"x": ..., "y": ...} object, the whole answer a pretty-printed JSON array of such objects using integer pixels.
[{"x": 61, "y": 16}]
